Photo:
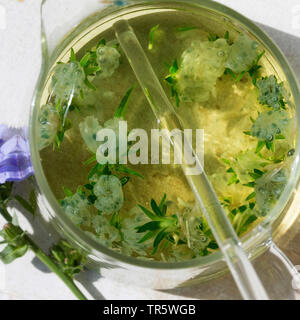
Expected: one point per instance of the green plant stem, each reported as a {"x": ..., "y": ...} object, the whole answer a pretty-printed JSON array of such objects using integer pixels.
[
  {"x": 53, "y": 267},
  {"x": 47, "y": 260},
  {"x": 5, "y": 214}
]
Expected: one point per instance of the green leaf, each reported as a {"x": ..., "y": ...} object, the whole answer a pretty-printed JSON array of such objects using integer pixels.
[
  {"x": 148, "y": 213},
  {"x": 256, "y": 174},
  {"x": 80, "y": 190},
  {"x": 226, "y": 161},
  {"x": 230, "y": 72},
  {"x": 162, "y": 202},
  {"x": 155, "y": 208},
  {"x": 260, "y": 56},
  {"x": 175, "y": 67},
  {"x": 280, "y": 137},
  {"x": 116, "y": 221},
  {"x": 260, "y": 146},
  {"x": 90, "y": 85},
  {"x": 90, "y": 160},
  {"x": 234, "y": 178},
  {"x": 57, "y": 255},
  {"x": 102, "y": 42},
  {"x": 84, "y": 61},
  {"x": 251, "y": 205},
  {"x": 270, "y": 146},
  {"x": 106, "y": 170},
  {"x": 92, "y": 198},
  {"x": 73, "y": 56},
  {"x": 172, "y": 81},
  {"x": 151, "y": 36},
  {"x": 5, "y": 191},
  {"x": 89, "y": 186},
  {"x": 10, "y": 253},
  {"x": 242, "y": 209},
  {"x": 250, "y": 184},
  {"x": 240, "y": 76},
  {"x": 149, "y": 226},
  {"x": 251, "y": 196},
  {"x": 234, "y": 211},
  {"x": 92, "y": 70},
  {"x": 253, "y": 71},
  {"x": 25, "y": 204},
  {"x": 127, "y": 170},
  {"x": 120, "y": 113},
  {"x": 257, "y": 171},
  {"x": 226, "y": 36},
  {"x": 148, "y": 236},
  {"x": 245, "y": 223},
  {"x": 159, "y": 238},
  {"x": 213, "y": 37},
  {"x": 94, "y": 170},
  {"x": 67, "y": 192},
  {"x": 162, "y": 226}
]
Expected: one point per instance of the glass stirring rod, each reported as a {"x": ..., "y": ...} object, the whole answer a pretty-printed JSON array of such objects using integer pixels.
[{"x": 241, "y": 268}]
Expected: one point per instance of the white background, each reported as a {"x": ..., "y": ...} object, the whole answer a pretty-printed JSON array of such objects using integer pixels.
[{"x": 26, "y": 278}]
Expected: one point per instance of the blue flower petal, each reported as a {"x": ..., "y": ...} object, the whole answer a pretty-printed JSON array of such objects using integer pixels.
[{"x": 15, "y": 163}]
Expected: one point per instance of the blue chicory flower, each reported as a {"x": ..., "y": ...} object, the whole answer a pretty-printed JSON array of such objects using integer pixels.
[{"x": 15, "y": 163}]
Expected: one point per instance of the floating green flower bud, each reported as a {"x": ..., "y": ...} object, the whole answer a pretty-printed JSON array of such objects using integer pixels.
[
  {"x": 68, "y": 80},
  {"x": 77, "y": 209},
  {"x": 89, "y": 129},
  {"x": 246, "y": 162},
  {"x": 108, "y": 59},
  {"x": 132, "y": 238},
  {"x": 270, "y": 123},
  {"x": 271, "y": 93},
  {"x": 269, "y": 189},
  {"x": 48, "y": 124},
  {"x": 242, "y": 54},
  {"x": 198, "y": 240},
  {"x": 106, "y": 233},
  {"x": 109, "y": 194},
  {"x": 201, "y": 65}
]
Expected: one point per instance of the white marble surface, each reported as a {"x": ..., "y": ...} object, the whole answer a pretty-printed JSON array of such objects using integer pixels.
[{"x": 19, "y": 66}]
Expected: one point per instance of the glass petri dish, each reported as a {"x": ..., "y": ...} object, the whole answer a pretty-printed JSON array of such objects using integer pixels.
[{"x": 217, "y": 19}]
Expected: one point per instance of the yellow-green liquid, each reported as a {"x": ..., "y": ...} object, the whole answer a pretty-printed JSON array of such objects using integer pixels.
[{"x": 224, "y": 118}]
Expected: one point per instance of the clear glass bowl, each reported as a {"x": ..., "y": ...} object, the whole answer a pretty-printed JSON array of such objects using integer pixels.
[{"x": 280, "y": 222}]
